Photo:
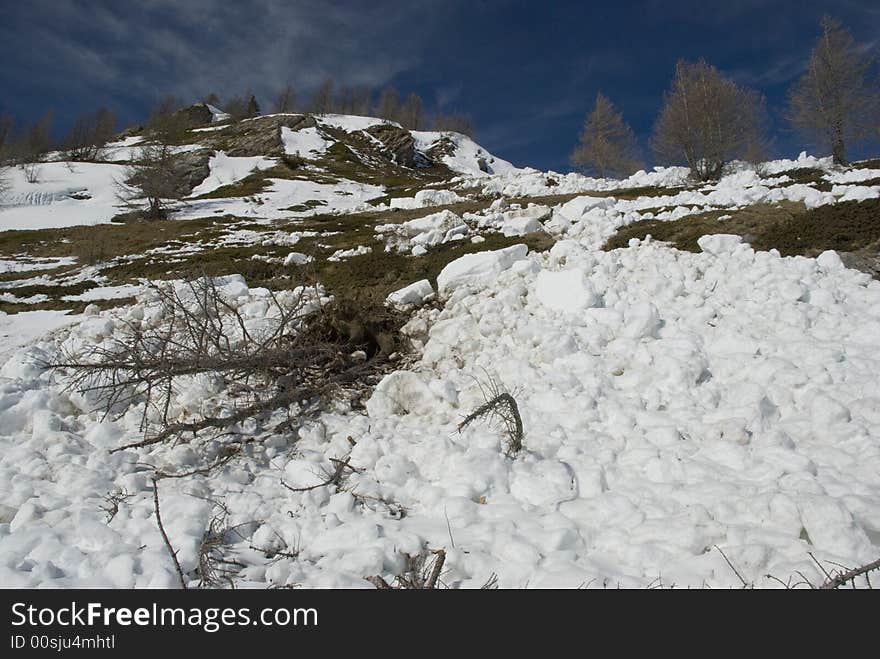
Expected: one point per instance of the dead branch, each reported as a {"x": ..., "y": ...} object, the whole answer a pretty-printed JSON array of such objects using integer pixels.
[
  {"x": 501, "y": 406},
  {"x": 421, "y": 573},
  {"x": 168, "y": 546},
  {"x": 841, "y": 578},
  {"x": 333, "y": 478},
  {"x": 295, "y": 358},
  {"x": 735, "y": 571}
]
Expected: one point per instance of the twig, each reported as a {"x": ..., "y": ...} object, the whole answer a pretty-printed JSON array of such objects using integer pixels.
[
  {"x": 165, "y": 536},
  {"x": 735, "y": 571},
  {"x": 843, "y": 577},
  {"x": 438, "y": 567}
]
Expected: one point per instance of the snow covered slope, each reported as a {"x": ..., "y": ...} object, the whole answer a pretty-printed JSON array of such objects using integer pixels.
[{"x": 675, "y": 404}]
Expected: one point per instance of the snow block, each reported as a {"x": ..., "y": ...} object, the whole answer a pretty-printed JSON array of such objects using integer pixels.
[
  {"x": 565, "y": 290},
  {"x": 719, "y": 243},
  {"x": 829, "y": 260},
  {"x": 480, "y": 268},
  {"x": 400, "y": 393},
  {"x": 413, "y": 295}
]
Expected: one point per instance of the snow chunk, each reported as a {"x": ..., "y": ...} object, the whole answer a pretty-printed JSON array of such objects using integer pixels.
[
  {"x": 401, "y": 393},
  {"x": 719, "y": 243},
  {"x": 413, "y": 295},
  {"x": 566, "y": 290},
  {"x": 480, "y": 268},
  {"x": 829, "y": 260},
  {"x": 424, "y": 198},
  {"x": 641, "y": 320},
  {"x": 297, "y": 258}
]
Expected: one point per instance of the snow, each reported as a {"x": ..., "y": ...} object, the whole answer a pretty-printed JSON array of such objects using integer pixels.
[
  {"x": 217, "y": 114},
  {"x": 226, "y": 170},
  {"x": 106, "y": 293},
  {"x": 478, "y": 269},
  {"x": 296, "y": 258},
  {"x": 30, "y": 263},
  {"x": 466, "y": 154},
  {"x": 719, "y": 243},
  {"x": 424, "y": 198},
  {"x": 342, "y": 254},
  {"x": 350, "y": 123},
  {"x": 673, "y": 402},
  {"x": 19, "y": 329},
  {"x": 853, "y": 176},
  {"x": 423, "y": 232},
  {"x": 413, "y": 295},
  {"x": 306, "y": 142},
  {"x": 568, "y": 291},
  {"x": 49, "y": 203}
]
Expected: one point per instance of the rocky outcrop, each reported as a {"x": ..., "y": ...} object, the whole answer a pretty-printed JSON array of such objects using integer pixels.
[
  {"x": 192, "y": 168},
  {"x": 193, "y": 117},
  {"x": 398, "y": 142},
  {"x": 256, "y": 137}
]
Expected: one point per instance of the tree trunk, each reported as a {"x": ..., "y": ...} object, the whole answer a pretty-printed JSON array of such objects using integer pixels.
[{"x": 838, "y": 153}]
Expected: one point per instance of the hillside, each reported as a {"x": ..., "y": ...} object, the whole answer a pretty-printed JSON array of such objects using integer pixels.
[{"x": 694, "y": 367}]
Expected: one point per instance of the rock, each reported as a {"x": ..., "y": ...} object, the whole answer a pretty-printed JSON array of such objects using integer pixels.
[
  {"x": 192, "y": 168},
  {"x": 397, "y": 141},
  {"x": 194, "y": 116},
  {"x": 256, "y": 137}
]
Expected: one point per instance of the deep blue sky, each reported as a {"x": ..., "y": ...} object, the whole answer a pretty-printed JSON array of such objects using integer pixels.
[{"x": 527, "y": 72}]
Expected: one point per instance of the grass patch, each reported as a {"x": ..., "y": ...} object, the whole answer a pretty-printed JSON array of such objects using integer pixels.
[
  {"x": 684, "y": 233},
  {"x": 845, "y": 227},
  {"x": 371, "y": 277},
  {"x": 788, "y": 227}
]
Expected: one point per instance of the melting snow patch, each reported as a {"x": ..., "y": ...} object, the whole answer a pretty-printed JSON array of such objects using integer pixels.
[{"x": 306, "y": 142}]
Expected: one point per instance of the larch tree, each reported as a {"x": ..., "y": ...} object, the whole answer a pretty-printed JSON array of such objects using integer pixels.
[
  {"x": 412, "y": 112},
  {"x": 388, "y": 105},
  {"x": 285, "y": 101},
  {"x": 707, "y": 120},
  {"x": 454, "y": 121},
  {"x": 323, "y": 101},
  {"x": 835, "y": 103},
  {"x": 607, "y": 144}
]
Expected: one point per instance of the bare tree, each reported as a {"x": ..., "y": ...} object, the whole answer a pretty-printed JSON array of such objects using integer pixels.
[
  {"x": 834, "y": 103},
  {"x": 456, "y": 122},
  {"x": 706, "y": 120},
  {"x": 607, "y": 143},
  {"x": 322, "y": 100},
  {"x": 5, "y": 185},
  {"x": 212, "y": 99},
  {"x": 285, "y": 101},
  {"x": 7, "y": 123},
  {"x": 252, "y": 109},
  {"x": 34, "y": 141},
  {"x": 242, "y": 107},
  {"x": 88, "y": 134},
  {"x": 412, "y": 112},
  {"x": 154, "y": 178},
  {"x": 361, "y": 98},
  {"x": 165, "y": 122},
  {"x": 388, "y": 105}
]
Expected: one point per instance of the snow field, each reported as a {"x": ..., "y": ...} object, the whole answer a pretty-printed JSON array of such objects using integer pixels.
[{"x": 672, "y": 402}]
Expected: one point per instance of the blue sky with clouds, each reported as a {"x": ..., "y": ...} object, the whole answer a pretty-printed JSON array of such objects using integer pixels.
[{"x": 526, "y": 71}]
